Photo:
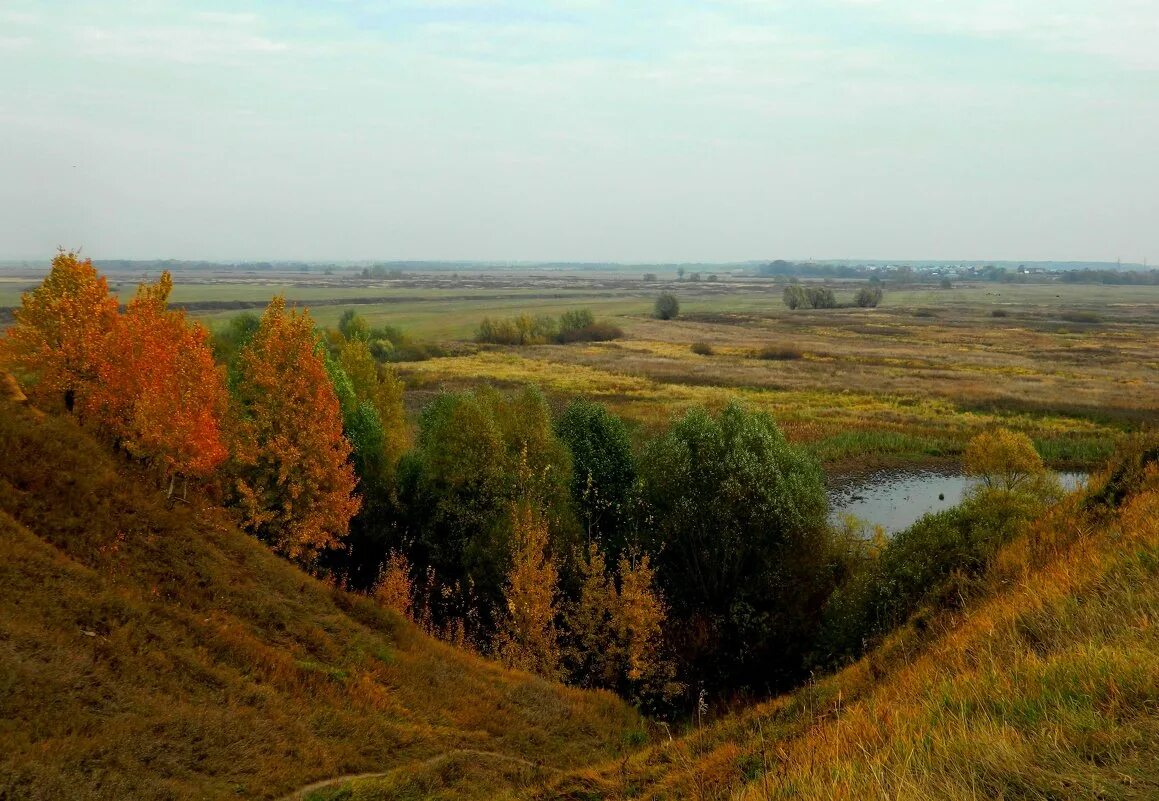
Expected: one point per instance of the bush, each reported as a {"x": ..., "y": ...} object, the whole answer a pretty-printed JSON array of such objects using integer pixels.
[
  {"x": 946, "y": 283},
  {"x": 797, "y": 296},
  {"x": 868, "y": 297},
  {"x": 925, "y": 313},
  {"x": 702, "y": 349},
  {"x": 1080, "y": 317},
  {"x": 1000, "y": 313},
  {"x": 667, "y": 306},
  {"x": 601, "y": 331},
  {"x": 576, "y": 325},
  {"x": 779, "y": 353}
]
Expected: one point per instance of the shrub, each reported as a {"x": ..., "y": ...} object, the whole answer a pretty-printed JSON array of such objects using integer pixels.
[
  {"x": 797, "y": 296},
  {"x": 925, "y": 313},
  {"x": 1080, "y": 317},
  {"x": 601, "y": 331},
  {"x": 1000, "y": 313},
  {"x": 946, "y": 283},
  {"x": 667, "y": 306},
  {"x": 575, "y": 320},
  {"x": 868, "y": 297},
  {"x": 702, "y": 349},
  {"x": 779, "y": 353}
]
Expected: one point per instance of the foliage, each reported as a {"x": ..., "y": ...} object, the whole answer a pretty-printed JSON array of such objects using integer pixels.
[
  {"x": 394, "y": 589},
  {"x": 55, "y": 346},
  {"x": 667, "y": 306},
  {"x": 868, "y": 297},
  {"x": 527, "y": 637},
  {"x": 479, "y": 454},
  {"x": 1003, "y": 459},
  {"x": 233, "y": 336},
  {"x": 603, "y": 476},
  {"x": 797, "y": 296},
  {"x": 293, "y": 482},
  {"x": 159, "y": 393},
  {"x": 576, "y": 325},
  {"x": 737, "y": 527}
]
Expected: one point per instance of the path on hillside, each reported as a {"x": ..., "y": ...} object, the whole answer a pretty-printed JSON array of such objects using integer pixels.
[{"x": 302, "y": 792}]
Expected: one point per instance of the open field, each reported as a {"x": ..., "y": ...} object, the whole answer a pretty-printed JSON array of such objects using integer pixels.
[{"x": 1072, "y": 365}]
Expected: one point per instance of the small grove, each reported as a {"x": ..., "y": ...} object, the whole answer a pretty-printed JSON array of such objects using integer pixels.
[{"x": 694, "y": 564}]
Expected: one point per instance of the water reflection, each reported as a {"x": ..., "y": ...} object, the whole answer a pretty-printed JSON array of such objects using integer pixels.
[{"x": 895, "y": 499}]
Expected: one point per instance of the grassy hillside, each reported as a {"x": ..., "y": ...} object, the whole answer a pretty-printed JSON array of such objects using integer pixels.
[
  {"x": 149, "y": 650},
  {"x": 1047, "y": 687}
]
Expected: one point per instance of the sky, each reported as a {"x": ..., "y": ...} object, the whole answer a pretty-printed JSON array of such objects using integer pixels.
[{"x": 580, "y": 130}]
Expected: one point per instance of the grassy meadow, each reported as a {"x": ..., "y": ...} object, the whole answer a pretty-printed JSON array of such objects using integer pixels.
[{"x": 908, "y": 381}]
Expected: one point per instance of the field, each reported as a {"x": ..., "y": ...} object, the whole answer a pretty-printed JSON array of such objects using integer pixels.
[{"x": 1074, "y": 366}]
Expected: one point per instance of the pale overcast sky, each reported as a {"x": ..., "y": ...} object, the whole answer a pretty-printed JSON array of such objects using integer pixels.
[{"x": 581, "y": 129}]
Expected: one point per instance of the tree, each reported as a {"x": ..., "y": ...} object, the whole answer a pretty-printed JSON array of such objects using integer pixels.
[
  {"x": 55, "y": 344},
  {"x": 868, "y": 297},
  {"x": 667, "y": 306},
  {"x": 591, "y": 649},
  {"x": 480, "y": 454},
  {"x": 737, "y": 527},
  {"x": 352, "y": 326},
  {"x": 294, "y": 484},
  {"x": 603, "y": 472},
  {"x": 638, "y": 622},
  {"x": 795, "y": 297},
  {"x": 379, "y": 385},
  {"x": 1003, "y": 459},
  {"x": 527, "y": 636},
  {"x": 160, "y": 394}
]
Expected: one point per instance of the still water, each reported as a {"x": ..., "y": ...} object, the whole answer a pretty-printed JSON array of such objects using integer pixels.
[{"x": 895, "y": 499}]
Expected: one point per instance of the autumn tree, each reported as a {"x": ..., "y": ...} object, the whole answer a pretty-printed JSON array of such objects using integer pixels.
[
  {"x": 379, "y": 385},
  {"x": 527, "y": 637},
  {"x": 294, "y": 483},
  {"x": 55, "y": 344},
  {"x": 590, "y": 646},
  {"x": 159, "y": 393},
  {"x": 638, "y": 622},
  {"x": 1003, "y": 459}
]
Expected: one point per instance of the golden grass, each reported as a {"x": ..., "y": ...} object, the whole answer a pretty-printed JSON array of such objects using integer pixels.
[{"x": 149, "y": 651}]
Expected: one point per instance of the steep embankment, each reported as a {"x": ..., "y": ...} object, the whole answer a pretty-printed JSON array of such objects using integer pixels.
[
  {"x": 1045, "y": 687},
  {"x": 150, "y": 650}
]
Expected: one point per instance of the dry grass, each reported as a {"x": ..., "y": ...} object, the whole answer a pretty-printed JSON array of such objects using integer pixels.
[
  {"x": 1048, "y": 689},
  {"x": 149, "y": 651}
]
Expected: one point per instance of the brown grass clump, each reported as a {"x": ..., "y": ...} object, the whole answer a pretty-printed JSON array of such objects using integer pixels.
[
  {"x": 702, "y": 349},
  {"x": 150, "y": 650},
  {"x": 780, "y": 353}
]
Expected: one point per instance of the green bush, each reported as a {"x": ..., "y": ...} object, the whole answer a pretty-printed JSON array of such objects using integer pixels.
[
  {"x": 667, "y": 306},
  {"x": 869, "y": 296}
]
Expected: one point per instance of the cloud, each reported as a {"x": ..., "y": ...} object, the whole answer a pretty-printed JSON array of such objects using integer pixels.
[{"x": 188, "y": 44}]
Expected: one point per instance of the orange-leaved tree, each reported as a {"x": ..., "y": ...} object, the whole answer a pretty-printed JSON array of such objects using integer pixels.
[
  {"x": 159, "y": 394},
  {"x": 294, "y": 482},
  {"x": 55, "y": 345}
]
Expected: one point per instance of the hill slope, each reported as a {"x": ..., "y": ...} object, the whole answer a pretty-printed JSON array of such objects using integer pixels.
[
  {"x": 1045, "y": 688},
  {"x": 150, "y": 650}
]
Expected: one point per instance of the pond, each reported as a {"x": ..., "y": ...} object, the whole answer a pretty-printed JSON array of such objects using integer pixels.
[{"x": 895, "y": 499}]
